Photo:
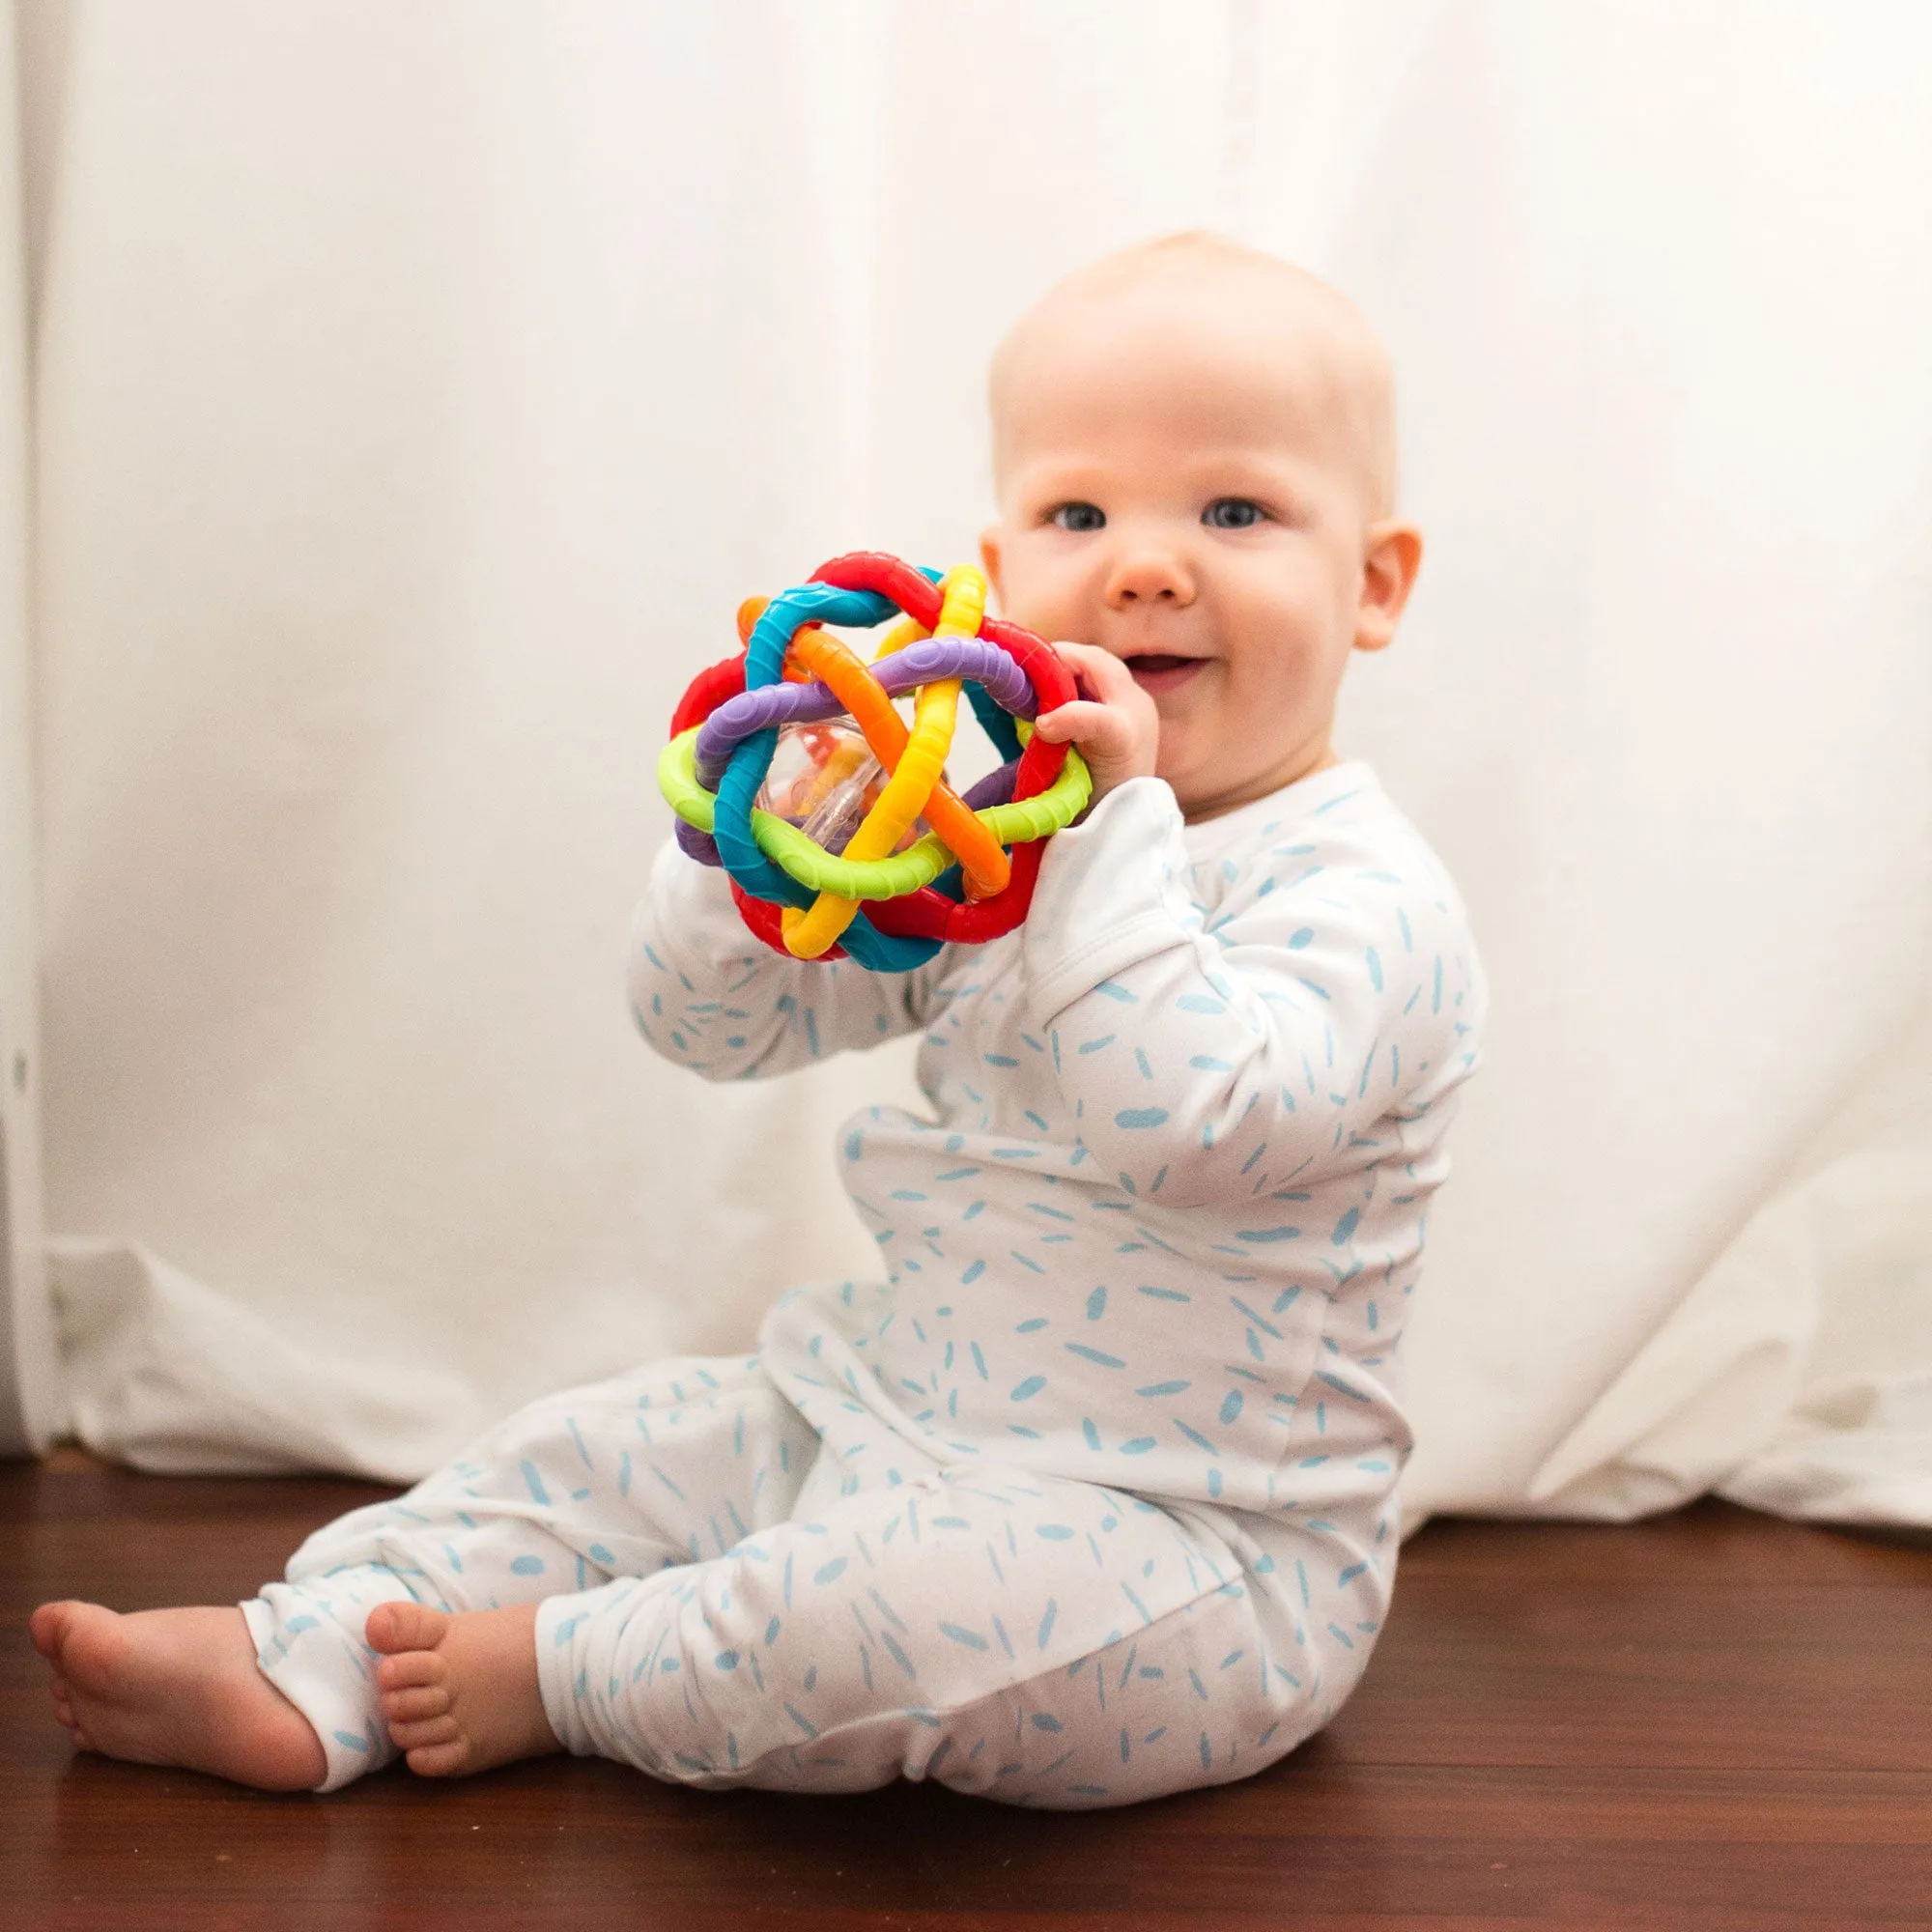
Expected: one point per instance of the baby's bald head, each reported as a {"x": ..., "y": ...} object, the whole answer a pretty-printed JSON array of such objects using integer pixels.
[{"x": 1195, "y": 300}]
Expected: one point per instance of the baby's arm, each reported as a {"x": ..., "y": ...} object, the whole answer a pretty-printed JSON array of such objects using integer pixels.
[
  {"x": 711, "y": 996},
  {"x": 1209, "y": 1061}
]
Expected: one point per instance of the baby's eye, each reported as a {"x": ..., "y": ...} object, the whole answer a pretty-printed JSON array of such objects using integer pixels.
[
  {"x": 1233, "y": 513},
  {"x": 1080, "y": 517}
]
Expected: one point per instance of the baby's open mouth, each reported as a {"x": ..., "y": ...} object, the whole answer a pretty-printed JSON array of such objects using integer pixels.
[{"x": 1161, "y": 670}]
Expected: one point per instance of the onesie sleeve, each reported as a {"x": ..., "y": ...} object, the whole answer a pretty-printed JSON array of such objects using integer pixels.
[
  {"x": 1207, "y": 1055},
  {"x": 707, "y": 995}
]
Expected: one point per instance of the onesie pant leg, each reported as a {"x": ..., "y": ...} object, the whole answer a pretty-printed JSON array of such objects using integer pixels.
[
  {"x": 648, "y": 1472},
  {"x": 1031, "y": 1638}
]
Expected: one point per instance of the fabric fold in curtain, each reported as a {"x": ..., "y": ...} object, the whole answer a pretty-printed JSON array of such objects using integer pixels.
[
  {"x": 1796, "y": 1375},
  {"x": 419, "y": 391},
  {"x": 184, "y": 1381}
]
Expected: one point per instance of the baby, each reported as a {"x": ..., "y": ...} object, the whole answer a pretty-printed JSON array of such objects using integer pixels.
[{"x": 1090, "y": 1498}]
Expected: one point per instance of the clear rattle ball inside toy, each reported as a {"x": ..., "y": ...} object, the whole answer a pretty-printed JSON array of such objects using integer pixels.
[{"x": 824, "y": 779}]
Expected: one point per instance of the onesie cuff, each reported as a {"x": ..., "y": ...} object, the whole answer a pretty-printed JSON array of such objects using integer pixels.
[
  {"x": 1102, "y": 901},
  {"x": 687, "y": 909},
  {"x": 310, "y": 1649},
  {"x": 688, "y": 897},
  {"x": 593, "y": 1712}
]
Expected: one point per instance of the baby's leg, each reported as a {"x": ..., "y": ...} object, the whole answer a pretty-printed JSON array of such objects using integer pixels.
[
  {"x": 626, "y": 1477},
  {"x": 1030, "y": 1638}
]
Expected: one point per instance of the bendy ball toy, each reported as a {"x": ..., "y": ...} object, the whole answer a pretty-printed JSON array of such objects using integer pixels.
[{"x": 790, "y": 766}]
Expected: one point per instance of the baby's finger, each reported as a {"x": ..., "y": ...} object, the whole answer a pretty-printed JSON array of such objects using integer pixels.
[{"x": 1087, "y": 724}]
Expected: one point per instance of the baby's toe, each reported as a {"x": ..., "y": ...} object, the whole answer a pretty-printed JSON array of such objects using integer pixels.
[
  {"x": 440, "y": 1760},
  {"x": 411, "y": 1670},
  {"x": 400, "y": 1627},
  {"x": 48, "y": 1626},
  {"x": 413, "y": 1705},
  {"x": 429, "y": 1732}
]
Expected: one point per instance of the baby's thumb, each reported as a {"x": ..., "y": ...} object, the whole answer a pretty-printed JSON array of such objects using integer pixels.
[{"x": 1078, "y": 719}]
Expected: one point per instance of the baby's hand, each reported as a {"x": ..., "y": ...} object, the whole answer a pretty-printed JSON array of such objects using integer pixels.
[{"x": 1112, "y": 721}]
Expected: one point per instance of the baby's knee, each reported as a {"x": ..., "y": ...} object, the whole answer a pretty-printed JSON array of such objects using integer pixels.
[{"x": 1193, "y": 1700}]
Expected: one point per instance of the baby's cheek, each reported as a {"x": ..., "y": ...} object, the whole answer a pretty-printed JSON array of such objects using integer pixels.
[
  {"x": 1043, "y": 600},
  {"x": 1050, "y": 616}
]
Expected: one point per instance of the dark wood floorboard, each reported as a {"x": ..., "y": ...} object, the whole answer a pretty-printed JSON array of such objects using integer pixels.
[{"x": 1712, "y": 1720}]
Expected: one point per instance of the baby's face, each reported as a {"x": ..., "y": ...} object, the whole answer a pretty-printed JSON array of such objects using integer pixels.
[{"x": 1188, "y": 488}]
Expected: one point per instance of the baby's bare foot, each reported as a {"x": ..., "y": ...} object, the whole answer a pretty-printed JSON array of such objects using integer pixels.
[
  {"x": 460, "y": 1693},
  {"x": 174, "y": 1686}
]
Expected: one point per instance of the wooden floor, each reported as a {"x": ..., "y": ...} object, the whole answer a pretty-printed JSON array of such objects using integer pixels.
[{"x": 1711, "y": 1722}]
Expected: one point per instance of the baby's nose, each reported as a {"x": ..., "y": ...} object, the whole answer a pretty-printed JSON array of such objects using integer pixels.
[{"x": 1149, "y": 575}]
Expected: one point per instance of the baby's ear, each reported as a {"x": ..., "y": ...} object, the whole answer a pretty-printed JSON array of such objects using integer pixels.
[
  {"x": 1389, "y": 563},
  {"x": 989, "y": 555}
]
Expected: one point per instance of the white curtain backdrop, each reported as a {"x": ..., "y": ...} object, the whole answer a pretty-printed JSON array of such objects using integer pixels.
[
  {"x": 418, "y": 387},
  {"x": 29, "y": 1374}
]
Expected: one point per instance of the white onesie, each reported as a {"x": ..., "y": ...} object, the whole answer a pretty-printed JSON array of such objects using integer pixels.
[{"x": 1091, "y": 1497}]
